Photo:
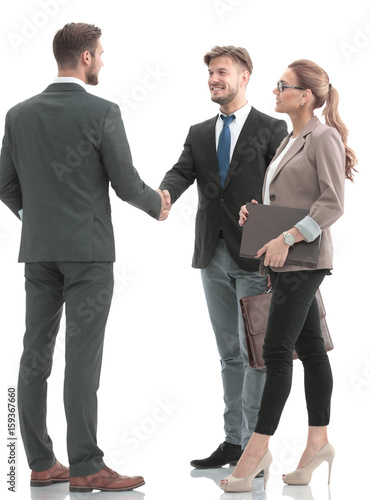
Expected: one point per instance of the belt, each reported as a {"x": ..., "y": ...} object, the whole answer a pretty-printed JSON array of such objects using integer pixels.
[{"x": 221, "y": 234}]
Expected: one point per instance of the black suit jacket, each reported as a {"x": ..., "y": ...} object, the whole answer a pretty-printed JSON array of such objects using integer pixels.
[
  {"x": 61, "y": 149},
  {"x": 256, "y": 146}
]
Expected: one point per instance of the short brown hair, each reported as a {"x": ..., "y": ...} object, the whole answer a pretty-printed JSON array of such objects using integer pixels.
[
  {"x": 70, "y": 41},
  {"x": 238, "y": 54}
]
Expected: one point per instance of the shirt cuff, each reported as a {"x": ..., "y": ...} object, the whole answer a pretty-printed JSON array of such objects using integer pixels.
[
  {"x": 20, "y": 213},
  {"x": 309, "y": 228}
]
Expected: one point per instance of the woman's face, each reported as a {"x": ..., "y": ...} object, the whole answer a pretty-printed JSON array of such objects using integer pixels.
[{"x": 289, "y": 100}]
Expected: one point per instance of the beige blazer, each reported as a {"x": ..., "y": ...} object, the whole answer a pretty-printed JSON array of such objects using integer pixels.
[{"x": 311, "y": 175}]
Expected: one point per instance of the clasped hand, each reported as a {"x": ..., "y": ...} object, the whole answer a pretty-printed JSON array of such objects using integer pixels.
[
  {"x": 276, "y": 250},
  {"x": 166, "y": 204}
]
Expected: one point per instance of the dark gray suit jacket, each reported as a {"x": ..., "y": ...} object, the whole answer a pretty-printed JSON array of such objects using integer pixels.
[
  {"x": 256, "y": 146},
  {"x": 61, "y": 149}
]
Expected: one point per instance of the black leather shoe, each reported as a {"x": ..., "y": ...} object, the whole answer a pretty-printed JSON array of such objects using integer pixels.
[{"x": 226, "y": 453}]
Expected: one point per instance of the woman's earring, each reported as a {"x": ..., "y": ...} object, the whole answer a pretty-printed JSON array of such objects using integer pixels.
[{"x": 302, "y": 103}]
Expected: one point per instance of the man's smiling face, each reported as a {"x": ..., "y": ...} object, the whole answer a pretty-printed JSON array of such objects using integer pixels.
[{"x": 225, "y": 80}]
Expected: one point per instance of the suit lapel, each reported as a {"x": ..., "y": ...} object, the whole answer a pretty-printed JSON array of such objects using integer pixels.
[
  {"x": 244, "y": 138},
  {"x": 292, "y": 151},
  {"x": 209, "y": 138},
  {"x": 295, "y": 148},
  {"x": 284, "y": 142}
]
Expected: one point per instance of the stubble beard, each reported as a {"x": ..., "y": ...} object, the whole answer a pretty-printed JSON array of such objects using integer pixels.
[
  {"x": 223, "y": 100},
  {"x": 92, "y": 76}
]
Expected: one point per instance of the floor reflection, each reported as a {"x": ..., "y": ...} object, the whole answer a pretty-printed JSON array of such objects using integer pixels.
[
  {"x": 300, "y": 492},
  {"x": 61, "y": 492},
  {"x": 188, "y": 489},
  {"x": 257, "y": 493}
]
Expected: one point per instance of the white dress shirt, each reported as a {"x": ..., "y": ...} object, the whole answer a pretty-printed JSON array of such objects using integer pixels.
[
  {"x": 272, "y": 169},
  {"x": 235, "y": 126},
  {"x": 69, "y": 79}
]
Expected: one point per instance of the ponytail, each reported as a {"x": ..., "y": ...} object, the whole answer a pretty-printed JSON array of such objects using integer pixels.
[{"x": 311, "y": 76}]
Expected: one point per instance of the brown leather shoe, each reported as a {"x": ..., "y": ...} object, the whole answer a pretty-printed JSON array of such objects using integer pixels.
[
  {"x": 56, "y": 474},
  {"x": 104, "y": 480}
]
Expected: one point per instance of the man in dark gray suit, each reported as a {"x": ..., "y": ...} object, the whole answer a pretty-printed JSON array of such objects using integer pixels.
[
  {"x": 61, "y": 149},
  {"x": 228, "y": 156}
]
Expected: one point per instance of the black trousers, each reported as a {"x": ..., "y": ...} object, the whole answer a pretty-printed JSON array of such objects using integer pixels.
[
  {"x": 85, "y": 289},
  {"x": 294, "y": 323}
]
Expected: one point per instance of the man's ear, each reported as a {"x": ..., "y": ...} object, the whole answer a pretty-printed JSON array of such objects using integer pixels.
[
  {"x": 245, "y": 78},
  {"x": 85, "y": 58}
]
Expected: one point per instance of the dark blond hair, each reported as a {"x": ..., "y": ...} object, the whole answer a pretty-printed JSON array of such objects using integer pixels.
[
  {"x": 311, "y": 76},
  {"x": 73, "y": 39},
  {"x": 237, "y": 54}
]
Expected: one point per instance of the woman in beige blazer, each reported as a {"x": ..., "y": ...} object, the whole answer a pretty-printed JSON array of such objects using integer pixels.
[{"x": 308, "y": 171}]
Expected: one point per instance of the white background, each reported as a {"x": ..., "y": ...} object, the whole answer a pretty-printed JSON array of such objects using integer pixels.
[{"x": 160, "y": 400}]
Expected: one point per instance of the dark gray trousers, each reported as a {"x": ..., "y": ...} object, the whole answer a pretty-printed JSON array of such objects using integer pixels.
[{"x": 85, "y": 288}]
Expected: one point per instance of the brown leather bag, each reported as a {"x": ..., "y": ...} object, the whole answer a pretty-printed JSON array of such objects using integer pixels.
[{"x": 255, "y": 312}]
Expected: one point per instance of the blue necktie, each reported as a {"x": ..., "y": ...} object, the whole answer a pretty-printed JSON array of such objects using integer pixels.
[{"x": 223, "y": 150}]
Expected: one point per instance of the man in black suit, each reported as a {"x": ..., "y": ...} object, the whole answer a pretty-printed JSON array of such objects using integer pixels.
[
  {"x": 61, "y": 149},
  {"x": 228, "y": 156}
]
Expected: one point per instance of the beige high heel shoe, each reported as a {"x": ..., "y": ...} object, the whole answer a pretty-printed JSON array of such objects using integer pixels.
[
  {"x": 239, "y": 484},
  {"x": 303, "y": 476}
]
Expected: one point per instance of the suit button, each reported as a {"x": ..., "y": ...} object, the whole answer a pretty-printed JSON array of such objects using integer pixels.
[
  {"x": 222, "y": 200},
  {"x": 272, "y": 197}
]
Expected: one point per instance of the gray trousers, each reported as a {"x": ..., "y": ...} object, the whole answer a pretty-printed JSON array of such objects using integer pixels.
[
  {"x": 224, "y": 284},
  {"x": 85, "y": 288}
]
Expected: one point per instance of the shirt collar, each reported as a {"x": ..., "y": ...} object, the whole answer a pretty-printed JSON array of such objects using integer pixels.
[
  {"x": 69, "y": 79},
  {"x": 240, "y": 114}
]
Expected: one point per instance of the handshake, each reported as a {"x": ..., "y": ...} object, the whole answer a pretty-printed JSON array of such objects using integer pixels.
[{"x": 166, "y": 204}]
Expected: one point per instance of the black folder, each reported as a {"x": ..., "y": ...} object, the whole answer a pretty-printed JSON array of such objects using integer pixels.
[{"x": 266, "y": 222}]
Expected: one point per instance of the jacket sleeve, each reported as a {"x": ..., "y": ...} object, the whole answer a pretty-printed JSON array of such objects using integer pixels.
[
  {"x": 279, "y": 133},
  {"x": 330, "y": 165},
  {"x": 117, "y": 161},
  {"x": 182, "y": 175},
  {"x": 10, "y": 188}
]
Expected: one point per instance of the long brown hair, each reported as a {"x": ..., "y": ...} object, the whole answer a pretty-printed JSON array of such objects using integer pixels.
[{"x": 311, "y": 76}]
